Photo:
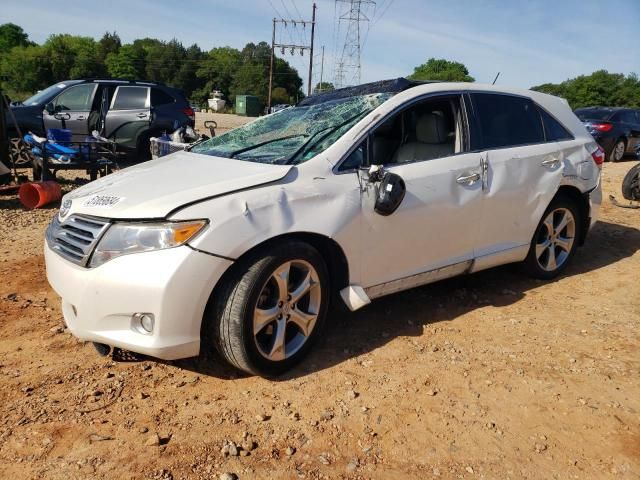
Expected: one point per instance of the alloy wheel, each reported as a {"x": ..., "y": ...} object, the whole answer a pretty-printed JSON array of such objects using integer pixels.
[
  {"x": 618, "y": 151},
  {"x": 287, "y": 310},
  {"x": 555, "y": 239}
]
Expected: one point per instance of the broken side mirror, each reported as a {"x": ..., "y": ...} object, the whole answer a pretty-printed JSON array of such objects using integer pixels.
[{"x": 389, "y": 188}]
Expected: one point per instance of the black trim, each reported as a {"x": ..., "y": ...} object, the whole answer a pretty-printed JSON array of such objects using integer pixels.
[{"x": 212, "y": 254}]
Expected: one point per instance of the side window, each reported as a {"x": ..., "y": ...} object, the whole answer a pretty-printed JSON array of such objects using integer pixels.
[
  {"x": 505, "y": 121},
  {"x": 130, "y": 98},
  {"x": 553, "y": 130},
  {"x": 629, "y": 116},
  {"x": 430, "y": 129},
  {"x": 76, "y": 98},
  {"x": 158, "y": 97},
  {"x": 355, "y": 160}
]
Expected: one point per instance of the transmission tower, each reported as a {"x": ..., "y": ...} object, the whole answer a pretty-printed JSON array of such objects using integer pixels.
[{"x": 348, "y": 68}]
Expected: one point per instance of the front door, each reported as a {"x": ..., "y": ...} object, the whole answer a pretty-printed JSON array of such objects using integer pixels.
[
  {"x": 71, "y": 110},
  {"x": 433, "y": 231}
]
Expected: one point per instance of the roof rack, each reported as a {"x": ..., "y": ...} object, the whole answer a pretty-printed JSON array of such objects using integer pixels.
[{"x": 121, "y": 80}]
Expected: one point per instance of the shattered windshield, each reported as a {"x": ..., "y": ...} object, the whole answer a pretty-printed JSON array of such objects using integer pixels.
[{"x": 293, "y": 135}]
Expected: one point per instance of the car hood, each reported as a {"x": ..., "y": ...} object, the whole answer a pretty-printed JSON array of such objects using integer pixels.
[{"x": 155, "y": 188}]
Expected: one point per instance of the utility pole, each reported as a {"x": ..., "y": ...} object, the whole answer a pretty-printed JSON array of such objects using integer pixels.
[
  {"x": 291, "y": 47},
  {"x": 321, "y": 69},
  {"x": 349, "y": 60},
  {"x": 313, "y": 30},
  {"x": 273, "y": 46}
]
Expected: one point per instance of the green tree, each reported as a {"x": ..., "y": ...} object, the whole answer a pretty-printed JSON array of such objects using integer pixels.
[
  {"x": 25, "y": 70},
  {"x": 11, "y": 35},
  {"x": 109, "y": 43},
  {"x": 217, "y": 70},
  {"x": 280, "y": 95},
  {"x": 323, "y": 87},
  {"x": 128, "y": 63},
  {"x": 73, "y": 56},
  {"x": 442, "y": 70},
  {"x": 599, "y": 88}
]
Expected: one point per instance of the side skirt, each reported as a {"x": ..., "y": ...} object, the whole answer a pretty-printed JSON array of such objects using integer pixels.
[{"x": 419, "y": 279}]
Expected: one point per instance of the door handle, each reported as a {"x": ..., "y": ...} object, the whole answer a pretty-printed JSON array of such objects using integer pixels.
[
  {"x": 142, "y": 115},
  {"x": 551, "y": 162},
  {"x": 81, "y": 117},
  {"x": 468, "y": 179}
]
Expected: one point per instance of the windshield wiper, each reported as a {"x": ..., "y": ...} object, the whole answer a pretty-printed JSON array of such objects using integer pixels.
[{"x": 261, "y": 144}]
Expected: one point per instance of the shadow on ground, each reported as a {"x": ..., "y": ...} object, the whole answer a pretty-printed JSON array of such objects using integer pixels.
[{"x": 406, "y": 313}]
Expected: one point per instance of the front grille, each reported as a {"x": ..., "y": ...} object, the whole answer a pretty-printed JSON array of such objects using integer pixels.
[{"x": 76, "y": 237}]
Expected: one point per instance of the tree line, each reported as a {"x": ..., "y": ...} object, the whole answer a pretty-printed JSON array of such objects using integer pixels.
[
  {"x": 26, "y": 67},
  {"x": 599, "y": 88}
]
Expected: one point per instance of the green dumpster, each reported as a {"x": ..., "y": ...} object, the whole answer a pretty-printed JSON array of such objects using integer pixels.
[{"x": 247, "y": 105}]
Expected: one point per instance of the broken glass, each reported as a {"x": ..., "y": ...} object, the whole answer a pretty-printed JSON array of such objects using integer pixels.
[{"x": 293, "y": 135}]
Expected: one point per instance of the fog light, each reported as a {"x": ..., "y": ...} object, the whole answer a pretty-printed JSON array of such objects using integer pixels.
[{"x": 143, "y": 322}]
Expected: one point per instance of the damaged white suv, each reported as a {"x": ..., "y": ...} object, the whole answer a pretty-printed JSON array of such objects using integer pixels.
[{"x": 241, "y": 243}]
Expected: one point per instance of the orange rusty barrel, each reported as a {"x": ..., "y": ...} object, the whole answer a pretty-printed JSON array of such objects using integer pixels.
[{"x": 39, "y": 194}]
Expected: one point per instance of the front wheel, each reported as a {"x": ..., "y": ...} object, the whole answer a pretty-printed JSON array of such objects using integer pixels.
[
  {"x": 555, "y": 240},
  {"x": 272, "y": 309}
]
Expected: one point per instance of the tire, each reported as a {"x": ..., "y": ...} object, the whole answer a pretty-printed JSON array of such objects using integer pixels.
[
  {"x": 143, "y": 145},
  {"x": 631, "y": 184},
  {"x": 617, "y": 152},
  {"x": 270, "y": 343},
  {"x": 551, "y": 251}
]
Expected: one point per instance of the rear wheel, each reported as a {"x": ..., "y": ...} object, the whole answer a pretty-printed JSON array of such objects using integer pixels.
[
  {"x": 631, "y": 184},
  {"x": 618, "y": 151},
  {"x": 272, "y": 309},
  {"x": 555, "y": 240}
]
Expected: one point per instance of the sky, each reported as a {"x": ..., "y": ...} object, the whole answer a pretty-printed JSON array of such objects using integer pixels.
[{"x": 528, "y": 42}]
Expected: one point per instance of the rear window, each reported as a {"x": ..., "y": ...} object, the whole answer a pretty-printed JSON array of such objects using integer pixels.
[
  {"x": 130, "y": 98},
  {"x": 553, "y": 129},
  {"x": 158, "y": 97},
  {"x": 593, "y": 114},
  {"x": 506, "y": 121}
]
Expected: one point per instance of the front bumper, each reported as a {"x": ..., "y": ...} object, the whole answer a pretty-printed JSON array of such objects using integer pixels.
[{"x": 173, "y": 284}]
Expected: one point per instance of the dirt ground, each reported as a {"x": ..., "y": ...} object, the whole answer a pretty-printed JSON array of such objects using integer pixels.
[
  {"x": 490, "y": 376},
  {"x": 224, "y": 121}
]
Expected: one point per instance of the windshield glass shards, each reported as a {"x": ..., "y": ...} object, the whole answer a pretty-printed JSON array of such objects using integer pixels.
[{"x": 293, "y": 135}]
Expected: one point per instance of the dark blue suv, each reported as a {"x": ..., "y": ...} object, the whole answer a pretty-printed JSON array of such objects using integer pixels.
[
  {"x": 128, "y": 112},
  {"x": 616, "y": 129}
]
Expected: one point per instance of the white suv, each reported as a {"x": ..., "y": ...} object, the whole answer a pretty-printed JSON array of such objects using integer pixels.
[{"x": 240, "y": 244}]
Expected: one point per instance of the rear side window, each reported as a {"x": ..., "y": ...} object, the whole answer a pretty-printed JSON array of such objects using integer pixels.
[
  {"x": 553, "y": 129},
  {"x": 505, "y": 121},
  {"x": 130, "y": 98},
  {"x": 158, "y": 97}
]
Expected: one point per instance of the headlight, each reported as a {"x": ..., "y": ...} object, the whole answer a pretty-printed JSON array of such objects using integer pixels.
[{"x": 124, "y": 238}]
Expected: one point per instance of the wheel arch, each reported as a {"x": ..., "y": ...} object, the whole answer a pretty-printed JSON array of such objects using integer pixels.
[
  {"x": 582, "y": 202},
  {"x": 329, "y": 249}
]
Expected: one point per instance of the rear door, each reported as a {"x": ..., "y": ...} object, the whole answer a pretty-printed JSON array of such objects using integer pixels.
[
  {"x": 129, "y": 114},
  {"x": 72, "y": 109},
  {"x": 523, "y": 173}
]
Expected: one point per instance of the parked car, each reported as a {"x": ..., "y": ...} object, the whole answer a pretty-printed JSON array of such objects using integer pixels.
[
  {"x": 352, "y": 194},
  {"x": 617, "y": 130},
  {"x": 128, "y": 112}
]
